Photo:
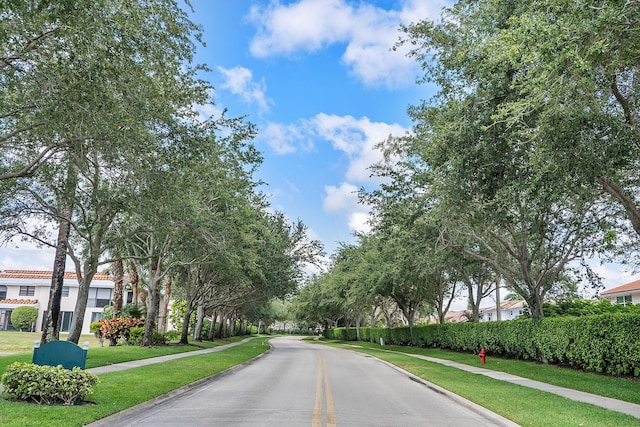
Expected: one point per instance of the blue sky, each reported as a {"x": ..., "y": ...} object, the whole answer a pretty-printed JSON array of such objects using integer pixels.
[
  {"x": 321, "y": 83},
  {"x": 319, "y": 80}
]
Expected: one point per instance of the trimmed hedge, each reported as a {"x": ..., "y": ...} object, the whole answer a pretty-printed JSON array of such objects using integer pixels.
[
  {"x": 608, "y": 343},
  {"x": 47, "y": 385}
]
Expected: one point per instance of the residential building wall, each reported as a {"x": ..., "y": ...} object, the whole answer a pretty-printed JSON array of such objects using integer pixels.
[
  {"x": 509, "y": 310},
  {"x": 35, "y": 286},
  {"x": 626, "y": 294}
]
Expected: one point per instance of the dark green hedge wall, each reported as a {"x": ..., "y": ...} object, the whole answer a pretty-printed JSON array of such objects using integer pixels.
[{"x": 608, "y": 343}]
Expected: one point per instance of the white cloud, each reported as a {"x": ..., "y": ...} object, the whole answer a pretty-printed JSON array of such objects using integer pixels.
[
  {"x": 357, "y": 138},
  {"x": 341, "y": 198},
  {"x": 27, "y": 256},
  {"x": 286, "y": 139},
  {"x": 239, "y": 81},
  {"x": 344, "y": 200},
  {"x": 308, "y": 25},
  {"x": 368, "y": 33}
]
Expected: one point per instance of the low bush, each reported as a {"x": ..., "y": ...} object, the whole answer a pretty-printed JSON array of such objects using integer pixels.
[
  {"x": 171, "y": 336},
  {"x": 47, "y": 385},
  {"x": 158, "y": 338},
  {"x": 24, "y": 317},
  {"x": 96, "y": 330},
  {"x": 119, "y": 328},
  {"x": 136, "y": 335}
]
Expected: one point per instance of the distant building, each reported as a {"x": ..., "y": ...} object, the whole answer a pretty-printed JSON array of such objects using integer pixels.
[
  {"x": 509, "y": 310},
  {"x": 625, "y": 295},
  {"x": 31, "y": 288},
  {"x": 457, "y": 316}
]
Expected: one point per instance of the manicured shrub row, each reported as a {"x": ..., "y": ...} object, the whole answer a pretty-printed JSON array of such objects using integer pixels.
[
  {"x": 48, "y": 385},
  {"x": 607, "y": 343}
]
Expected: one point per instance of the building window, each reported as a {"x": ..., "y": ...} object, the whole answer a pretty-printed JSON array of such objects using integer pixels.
[
  {"x": 96, "y": 316},
  {"x": 3, "y": 292},
  {"x": 5, "y": 319},
  {"x": 99, "y": 297},
  {"x": 65, "y": 320},
  {"x": 624, "y": 300},
  {"x": 65, "y": 291},
  {"x": 27, "y": 291},
  {"x": 489, "y": 317}
]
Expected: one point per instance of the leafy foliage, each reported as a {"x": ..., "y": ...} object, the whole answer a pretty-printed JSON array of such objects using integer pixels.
[
  {"x": 119, "y": 328},
  {"x": 47, "y": 385},
  {"x": 24, "y": 317},
  {"x": 603, "y": 343}
]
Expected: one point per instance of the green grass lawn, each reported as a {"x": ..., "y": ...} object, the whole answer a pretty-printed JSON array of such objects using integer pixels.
[
  {"x": 528, "y": 407},
  {"x": 22, "y": 342},
  {"x": 120, "y": 390},
  {"x": 19, "y": 342},
  {"x": 525, "y": 406}
]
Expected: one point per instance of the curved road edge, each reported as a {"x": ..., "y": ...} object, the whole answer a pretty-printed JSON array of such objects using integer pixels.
[{"x": 498, "y": 419}]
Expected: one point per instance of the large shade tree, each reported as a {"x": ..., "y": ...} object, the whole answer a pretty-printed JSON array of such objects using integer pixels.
[
  {"x": 502, "y": 208},
  {"x": 87, "y": 87}
]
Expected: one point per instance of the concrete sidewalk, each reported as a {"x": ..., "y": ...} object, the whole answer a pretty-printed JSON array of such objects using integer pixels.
[
  {"x": 153, "y": 360},
  {"x": 580, "y": 396}
]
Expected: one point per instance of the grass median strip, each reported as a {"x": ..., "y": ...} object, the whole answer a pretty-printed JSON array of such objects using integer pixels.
[
  {"x": 523, "y": 405},
  {"x": 121, "y": 390}
]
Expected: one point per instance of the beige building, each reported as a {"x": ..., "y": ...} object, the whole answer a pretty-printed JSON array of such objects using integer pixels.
[
  {"x": 509, "y": 310},
  {"x": 626, "y": 294},
  {"x": 31, "y": 288}
]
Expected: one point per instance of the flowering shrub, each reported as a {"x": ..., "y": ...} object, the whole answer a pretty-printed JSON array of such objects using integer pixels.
[{"x": 119, "y": 328}]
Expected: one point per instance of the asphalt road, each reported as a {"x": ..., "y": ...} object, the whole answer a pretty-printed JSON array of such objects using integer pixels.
[{"x": 302, "y": 384}]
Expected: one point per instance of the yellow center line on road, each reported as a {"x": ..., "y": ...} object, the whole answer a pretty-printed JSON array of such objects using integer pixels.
[
  {"x": 316, "y": 420},
  {"x": 331, "y": 412},
  {"x": 323, "y": 376}
]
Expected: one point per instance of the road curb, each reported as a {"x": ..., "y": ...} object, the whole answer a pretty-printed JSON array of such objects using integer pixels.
[{"x": 497, "y": 419}]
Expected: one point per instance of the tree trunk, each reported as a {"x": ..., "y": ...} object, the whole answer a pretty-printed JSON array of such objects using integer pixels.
[
  {"x": 184, "y": 332},
  {"x": 118, "y": 281},
  {"x": 498, "y": 304},
  {"x": 167, "y": 297},
  {"x": 212, "y": 327},
  {"x": 232, "y": 329},
  {"x": 219, "y": 334},
  {"x": 80, "y": 309},
  {"x": 153, "y": 306},
  {"x": 197, "y": 331},
  {"x": 133, "y": 278},
  {"x": 51, "y": 330}
]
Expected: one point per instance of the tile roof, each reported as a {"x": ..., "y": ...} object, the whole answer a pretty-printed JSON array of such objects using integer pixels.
[
  {"x": 506, "y": 305},
  {"x": 43, "y": 274},
  {"x": 631, "y": 286},
  {"x": 456, "y": 316},
  {"x": 19, "y": 301}
]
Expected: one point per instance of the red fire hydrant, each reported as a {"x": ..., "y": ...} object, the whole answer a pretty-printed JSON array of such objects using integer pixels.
[{"x": 483, "y": 355}]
